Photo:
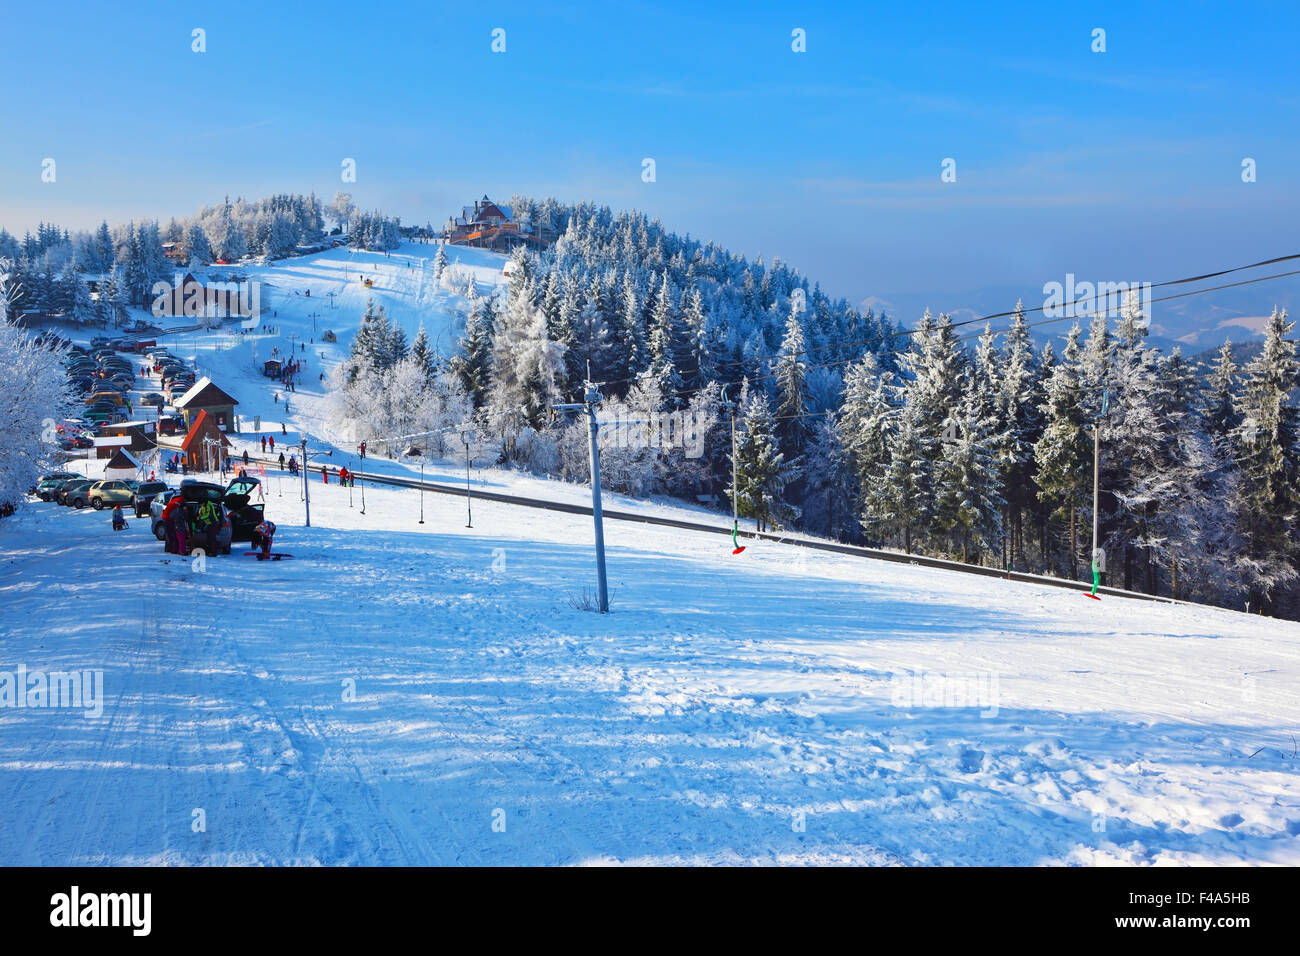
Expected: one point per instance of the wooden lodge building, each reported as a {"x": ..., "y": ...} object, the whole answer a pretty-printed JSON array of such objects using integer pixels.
[
  {"x": 489, "y": 225},
  {"x": 205, "y": 445},
  {"x": 204, "y": 396}
]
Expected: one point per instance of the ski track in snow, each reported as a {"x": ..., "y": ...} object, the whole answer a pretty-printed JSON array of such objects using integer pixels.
[
  {"x": 721, "y": 697},
  {"x": 725, "y": 698}
]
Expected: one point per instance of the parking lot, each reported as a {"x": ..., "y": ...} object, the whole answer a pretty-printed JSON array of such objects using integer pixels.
[{"x": 130, "y": 384}]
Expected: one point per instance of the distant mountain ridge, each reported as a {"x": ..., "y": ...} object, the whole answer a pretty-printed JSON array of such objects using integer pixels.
[{"x": 1196, "y": 323}]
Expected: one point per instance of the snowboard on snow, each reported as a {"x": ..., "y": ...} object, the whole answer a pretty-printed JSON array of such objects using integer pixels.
[{"x": 275, "y": 555}]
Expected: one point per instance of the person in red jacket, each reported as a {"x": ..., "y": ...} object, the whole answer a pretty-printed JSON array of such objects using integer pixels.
[
  {"x": 173, "y": 520},
  {"x": 343, "y": 476},
  {"x": 325, "y": 474}
]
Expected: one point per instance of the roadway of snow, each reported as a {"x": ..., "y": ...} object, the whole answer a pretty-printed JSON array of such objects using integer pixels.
[{"x": 731, "y": 709}]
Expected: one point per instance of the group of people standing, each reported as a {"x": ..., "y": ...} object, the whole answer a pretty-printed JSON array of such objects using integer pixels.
[{"x": 185, "y": 529}]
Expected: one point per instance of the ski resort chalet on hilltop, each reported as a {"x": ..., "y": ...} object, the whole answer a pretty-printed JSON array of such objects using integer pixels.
[{"x": 489, "y": 225}]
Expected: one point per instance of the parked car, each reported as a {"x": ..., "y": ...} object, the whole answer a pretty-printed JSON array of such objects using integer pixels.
[
  {"x": 194, "y": 493},
  {"x": 238, "y": 516},
  {"x": 51, "y": 484},
  {"x": 75, "y": 493},
  {"x": 145, "y": 493},
  {"x": 111, "y": 492},
  {"x": 156, "y": 507},
  {"x": 171, "y": 424},
  {"x": 154, "y": 399},
  {"x": 98, "y": 342},
  {"x": 244, "y": 515},
  {"x": 104, "y": 395}
]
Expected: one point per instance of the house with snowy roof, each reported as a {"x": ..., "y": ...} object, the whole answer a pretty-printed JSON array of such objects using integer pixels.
[
  {"x": 205, "y": 396},
  {"x": 488, "y": 225}
]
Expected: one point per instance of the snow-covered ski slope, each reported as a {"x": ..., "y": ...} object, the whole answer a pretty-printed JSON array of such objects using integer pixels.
[
  {"x": 303, "y": 297},
  {"x": 402, "y": 281},
  {"x": 406, "y": 693}
]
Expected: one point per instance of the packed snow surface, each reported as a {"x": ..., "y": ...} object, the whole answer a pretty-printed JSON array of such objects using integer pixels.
[{"x": 406, "y": 693}]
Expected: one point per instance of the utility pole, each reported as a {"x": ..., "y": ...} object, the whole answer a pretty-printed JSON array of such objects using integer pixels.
[
  {"x": 591, "y": 398},
  {"x": 735, "y": 508},
  {"x": 306, "y": 491},
  {"x": 469, "y": 507},
  {"x": 1098, "y": 556}
]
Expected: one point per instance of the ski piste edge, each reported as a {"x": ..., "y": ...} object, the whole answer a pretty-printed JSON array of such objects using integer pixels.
[{"x": 275, "y": 555}]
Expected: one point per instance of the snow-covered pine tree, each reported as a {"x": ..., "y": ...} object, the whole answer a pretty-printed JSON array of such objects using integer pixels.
[
  {"x": 135, "y": 277},
  {"x": 471, "y": 366},
  {"x": 83, "y": 311},
  {"x": 112, "y": 299},
  {"x": 592, "y": 346},
  {"x": 35, "y": 391},
  {"x": 829, "y": 485},
  {"x": 1018, "y": 427},
  {"x": 1218, "y": 399},
  {"x": 282, "y": 238},
  {"x": 1063, "y": 452},
  {"x": 701, "y": 366},
  {"x": 196, "y": 245},
  {"x": 866, "y": 418},
  {"x": 370, "y": 344},
  {"x": 663, "y": 342},
  {"x": 631, "y": 342},
  {"x": 526, "y": 368},
  {"x": 1177, "y": 487},
  {"x": 934, "y": 370},
  {"x": 232, "y": 241},
  {"x": 790, "y": 372},
  {"x": 1131, "y": 444},
  {"x": 395, "y": 347},
  {"x": 968, "y": 505},
  {"x": 1269, "y": 458},
  {"x": 103, "y": 247},
  {"x": 761, "y": 471},
  {"x": 421, "y": 354}
]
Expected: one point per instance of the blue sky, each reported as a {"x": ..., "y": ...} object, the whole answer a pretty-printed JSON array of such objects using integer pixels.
[{"x": 1118, "y": 165}]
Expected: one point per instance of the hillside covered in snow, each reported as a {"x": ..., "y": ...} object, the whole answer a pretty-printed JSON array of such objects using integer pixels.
[{"x": 399, "y": 693}]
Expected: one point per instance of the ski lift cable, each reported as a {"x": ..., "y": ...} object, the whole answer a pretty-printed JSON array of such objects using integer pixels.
[
  {"x": 977, "y": 334},
  {"x": 1072, "y": 306}
]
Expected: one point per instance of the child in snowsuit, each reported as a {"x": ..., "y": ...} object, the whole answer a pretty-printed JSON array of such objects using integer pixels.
[
  {"x": 265, "y": 532},
  {"x": 119, "y": 523}
]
